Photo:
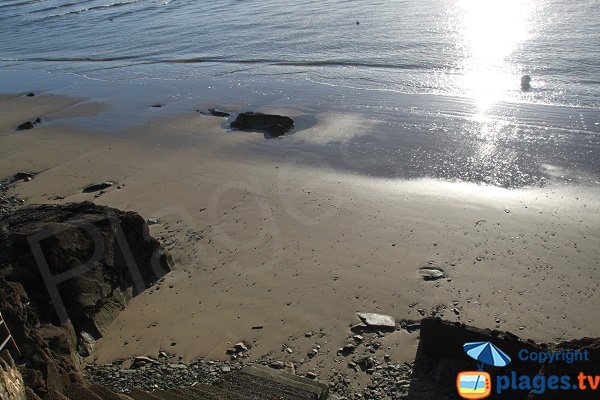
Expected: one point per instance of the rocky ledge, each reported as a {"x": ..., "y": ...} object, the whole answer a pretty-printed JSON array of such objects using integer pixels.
[{"x": 66, "y": 271}]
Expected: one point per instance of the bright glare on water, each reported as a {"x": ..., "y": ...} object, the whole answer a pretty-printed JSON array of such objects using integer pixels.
[{"x": 488, "y": 34}]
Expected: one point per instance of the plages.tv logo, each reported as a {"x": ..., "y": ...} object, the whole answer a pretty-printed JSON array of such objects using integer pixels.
[{"x": 475, "y": 385}]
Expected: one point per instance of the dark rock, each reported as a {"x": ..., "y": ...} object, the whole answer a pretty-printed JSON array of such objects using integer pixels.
[
  {"x": 95, "y": 259},
  {"x": 348, "y": 348},
  {"x": 30, "y": 94},
  {"x": 410, "y": 326},
  {"x": 275, "y": 125},
  {"x": 139, "y": 362},
  {"x": 277, "y": 365},
  {"x": 216, "y": 113},
  {"x": 29, "y": 124},
  {"x": 113, "y": 250},
  {"x": 21, "y": 176},
  {"x": 156, "y": 106},
  {"x": 25, "y": 125},
  {"x": 525, "y": 82},
  {"x": 95, "y": 187},
  {"x": 238, "y": 348}
]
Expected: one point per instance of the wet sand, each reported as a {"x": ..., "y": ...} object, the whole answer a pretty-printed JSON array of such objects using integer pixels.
[{"x": 276, "y": 243}]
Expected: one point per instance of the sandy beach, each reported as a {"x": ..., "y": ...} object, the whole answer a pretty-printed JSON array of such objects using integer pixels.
[{"x": 268, "y": 249}]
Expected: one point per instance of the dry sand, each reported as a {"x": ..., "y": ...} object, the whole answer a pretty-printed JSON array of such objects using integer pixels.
[{"x": 266, "y": 242}]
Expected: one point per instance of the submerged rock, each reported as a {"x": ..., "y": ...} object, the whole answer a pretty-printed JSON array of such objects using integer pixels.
[{"x": 275, "y": 125}]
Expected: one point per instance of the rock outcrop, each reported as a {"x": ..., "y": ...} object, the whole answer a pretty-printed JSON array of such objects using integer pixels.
[
  {"x": 66, "y": 271},
  {"x": 275, "y": 125}
]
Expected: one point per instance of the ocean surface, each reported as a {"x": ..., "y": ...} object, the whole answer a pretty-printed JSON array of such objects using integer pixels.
[{"x": 447, "y": 68}]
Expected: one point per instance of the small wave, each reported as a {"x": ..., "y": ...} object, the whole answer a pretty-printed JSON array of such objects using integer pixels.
[
  {"x": 285, "y": 63},
  {"x": 58, "y": 7},
  {"x": 94, "y": 8},
  {"x": 22, "y": 3},
  {"x": 226, "y": 60},
  {"x": 195, "y": 60},
  {"x": 71, "y": 59},
  {"x": 342, "y": 63}
]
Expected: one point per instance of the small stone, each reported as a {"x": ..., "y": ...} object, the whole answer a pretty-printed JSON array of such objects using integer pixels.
[
  {"x": 311, "y": 375},
  {"x": 237, "y": 348},
  {"x": 95, "y": 187},
  {"x": 431, "y": 274},
  {"x": 277, "y": 365},
  {"x": 226, "y": 369},
  {"x": 348, "y": 348}
]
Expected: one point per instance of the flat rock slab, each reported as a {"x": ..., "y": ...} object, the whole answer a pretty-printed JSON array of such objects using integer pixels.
[
  {"x": 431, "y": 273},
  {"x": 377, "y": 320}
]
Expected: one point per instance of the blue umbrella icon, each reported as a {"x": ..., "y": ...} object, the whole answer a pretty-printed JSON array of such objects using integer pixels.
[{"x": 487, "y": 354}]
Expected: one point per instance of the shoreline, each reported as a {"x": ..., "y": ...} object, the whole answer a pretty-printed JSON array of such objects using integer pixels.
[
  {"x": 268, "y": 241},
  {"x": 358, "y": 132}
]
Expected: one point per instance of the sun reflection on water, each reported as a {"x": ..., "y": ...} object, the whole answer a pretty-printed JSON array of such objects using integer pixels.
[{"x": 489, "y": 32}]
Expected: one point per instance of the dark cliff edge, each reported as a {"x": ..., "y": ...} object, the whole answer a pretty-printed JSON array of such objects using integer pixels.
[{"x": 66, "y": 271}]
